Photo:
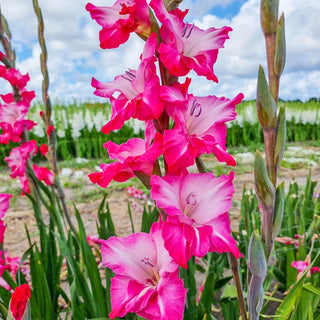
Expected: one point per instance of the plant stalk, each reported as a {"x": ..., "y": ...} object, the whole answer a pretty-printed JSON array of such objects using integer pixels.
[{"x": 47, "y": 118}]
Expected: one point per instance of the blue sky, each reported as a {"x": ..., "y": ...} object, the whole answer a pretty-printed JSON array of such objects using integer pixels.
[{"x": 75, "y": 56}]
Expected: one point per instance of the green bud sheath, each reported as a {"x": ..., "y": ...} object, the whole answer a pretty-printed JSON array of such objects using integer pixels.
[
  {"x": 257, "y": 258},
  {"x": 263, "y": 186},
  {"x": 280, "y": 55},
  {"x": 278, "y": 209},
  {"x": 266, "y": 106},
  {"x": 269, "y": 16},
  {"x": 281, "y": 137},
  {"x": 255, "y": 297}
]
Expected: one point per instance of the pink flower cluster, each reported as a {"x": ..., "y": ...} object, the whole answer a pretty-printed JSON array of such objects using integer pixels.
[
  {"x": 180, "y": 127},
  {"x": 13, "y": 124},
  {"x": 8, "y": 263}
]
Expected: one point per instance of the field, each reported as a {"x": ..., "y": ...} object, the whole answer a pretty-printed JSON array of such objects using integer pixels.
[
  {"x": 80, "y": 149},
  {"x": 78, "y": 128}
]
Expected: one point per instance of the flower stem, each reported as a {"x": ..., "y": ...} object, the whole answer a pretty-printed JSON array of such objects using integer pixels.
[
  {"x": 47, "y": 118},
  {"x": 232, "y": 260}
]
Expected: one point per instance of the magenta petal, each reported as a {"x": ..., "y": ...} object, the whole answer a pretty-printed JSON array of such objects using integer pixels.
[
  {"x": 170, "y": 301},
  {"x": 128, "y": 295},
  {"x": 300, "y": 265},
  {"x": 2, "y": 231},
  {"x": 176, "y": 243},
  {"x": 177, "y": 150},
  {"x": 222, "y": 240},
  {"x": 114, "y": 171},
  {"x": 4, "y": 203},
  {"x": 129, "y": 256}
]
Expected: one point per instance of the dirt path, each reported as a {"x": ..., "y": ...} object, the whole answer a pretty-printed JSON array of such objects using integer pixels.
[{"x": 20, "y": 213}]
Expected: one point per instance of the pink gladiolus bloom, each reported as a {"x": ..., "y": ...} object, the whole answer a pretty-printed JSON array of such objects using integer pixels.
[
  {"x": 14, "y": 77},
  {"x": 44, "y": 174},
  {"x": 4, "y": 203},
  {"x": 50, "y": 129},
  {"x": 186, "y": 46},
  {"x": 44, "y": 149},
  {"x": 24, "y": 185},
  {"x": 18, "y": 157},
  {"x": 3, "y": 266},
  {"x": 146, "y": 280},
  {"x": 197, "y": 221},
  {"x": 303, "y": 265},
  {"x": 19, "y": 299},
  {"x": 12, "y": 119},
  {"x": 199, "y": 128},
  {"x": 134, "y": 155},
  {"x": 299, "y": 265},
  {"x": 2, "y": 231},
  {"x": 4, "y": 206},
  {"x": 118, "y": 21},
  {"x": 139, "y": 91}
]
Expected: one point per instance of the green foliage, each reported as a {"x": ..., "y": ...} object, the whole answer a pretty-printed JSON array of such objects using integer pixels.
[{"x": 296, "y": 241}]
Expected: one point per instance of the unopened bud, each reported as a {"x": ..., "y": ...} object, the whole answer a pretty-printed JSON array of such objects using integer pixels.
[
  {"x": 281, "y": 137},
  {"x": 269, "y": 16},
  {"x": 280, "y": 55},
  {"x": 266, "y": 106},
  {"x": 278, "y": 209},
  {"x": 255, "y": 297},
  {"x": 264, "y": 188},
  {"x": 257, "y": 258}
]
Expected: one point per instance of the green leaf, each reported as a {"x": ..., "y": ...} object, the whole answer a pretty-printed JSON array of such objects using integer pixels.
[
  {"x": 92, "y": 269},
  {"x": 309, "y": 287}
]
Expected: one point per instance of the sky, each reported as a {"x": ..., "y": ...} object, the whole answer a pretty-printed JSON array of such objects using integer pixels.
[{"x": 74, "y": 55}]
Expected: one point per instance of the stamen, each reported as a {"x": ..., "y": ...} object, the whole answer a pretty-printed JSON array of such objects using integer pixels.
[
  {"x": 131, "y": 75},
  {"x": 191, "y": 198},
  {"x": 124, "y": 77},
  {"x": 190, "y": 31},
  {"x": 184, "y": 30},
  {"x": 147, "y": 262},
  {"x": 195, "y": 109}
]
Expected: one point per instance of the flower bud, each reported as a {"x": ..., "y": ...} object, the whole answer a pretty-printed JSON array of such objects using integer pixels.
[
  {"x": 263, "y": 186},
  {"x": 266, "y": 106},
  {"x": 281, "y": 136},
  {"x": 278, "y": 209},
  {"x": 257, "y": 258},
  {"x": 255, "y": 297},
  {"x": 269, "y": 16},
  {"x": 280, "y": 55},
  {"x": 19, "y": 307}
]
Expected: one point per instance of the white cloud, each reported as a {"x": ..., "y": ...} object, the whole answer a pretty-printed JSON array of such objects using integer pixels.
[{"x": 74, "y": 55}]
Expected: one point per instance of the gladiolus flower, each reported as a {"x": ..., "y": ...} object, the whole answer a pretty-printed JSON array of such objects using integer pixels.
[
  {"x": 303, "y": 265},
  {"x": 44, "y": 150},
  {"x": 19, "y": 300},
  {"x": 13, "y": 122},
  {"x": 197, "y": 220},
  {"x": 14, "y": 77},
  {"x": 43, "y": 174},
  {"x": 4, "y": 206},
  {"x": 186, "y": 46},
  {"x": 199, "y": 128},
  {"x": 134, "y": 155},
  {"x": 118, "y": 21},
  {"x": 139, "y": 91},
  {"x": 4, "y": 203},
  {"x": 18, "y": 157},
  {"x": 146, "y": 280},
  {"x": 50, "y": 129}
]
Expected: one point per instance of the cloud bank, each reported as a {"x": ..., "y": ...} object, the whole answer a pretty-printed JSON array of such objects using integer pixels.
[{"x": 74, "y": 55}]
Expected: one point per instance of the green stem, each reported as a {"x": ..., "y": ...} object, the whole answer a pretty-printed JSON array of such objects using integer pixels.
[
  {"x": 232, "y": 260},
  {"x": 48, "y": 110}
]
